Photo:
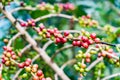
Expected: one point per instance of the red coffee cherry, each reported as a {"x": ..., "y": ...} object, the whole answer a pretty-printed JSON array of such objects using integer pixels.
[
  {"x": 97, "y": 40},
  {"x": 93, "y": 35},
  {"x": 39, "y": 73},
  {"x": 85, "y": 45},
  {"x": 63, "y": 40},
  {"x": 74, "y": 43},
  {"x": 66, "y": 33},
  {"x": 84, "y": 38},
  {"x": 21, "y": 65},
  {"x": 29, "y": 60},
  {"x": 35, "y": 78},
  {"x": 87, "y": 60},
  {"x": 57, "y": 40},
  {"x": 27, "y": 63}
]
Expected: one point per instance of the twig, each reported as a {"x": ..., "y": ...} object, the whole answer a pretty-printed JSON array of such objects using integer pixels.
[
  {"x": 94, "y": 63},
  {"x": 111, "y": 76},
  {"x": 55, "y": 15},
  {"x": 99, "y": 72},
  {"x": 23, "y": 8},
  {"x": 47, "y": 44},
  {"x": 72, "y": 61},
  {"x": 25, "y": 48},
  {"x": 12, "y": 39},
  {"x": 111, "y": 55},
  {"x": 17, "y": 73},
  {"x": 57, "y": 51}
]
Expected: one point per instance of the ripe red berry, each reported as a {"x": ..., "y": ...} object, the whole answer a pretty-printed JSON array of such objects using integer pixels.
[
  {"x": 90, "y": 42},
  {"x": 88, "y": 55},
  {"x": 84, "y": 38},
  {"x": 78, "y": 43},
  {"x": 66, "y": 33},
  {"x": 39, "y": 73},
  {"x": 74, "y": 43},
  {"x": 88, "y": 60},
  {"x": 93, "y": 35},
  {"x": 41, "y": 27},
  {"x": 43, "y": 79},
  {"x": 5, "y": 47},
  {"x": 21, "y": 65},
  {"x": 35, "y": 78},
  {"x": 14, "y": 57},
  {"x": 85, "y": 45},
  {"x": 27, "y": 63},
  {"x": 29, "y": 60},
  {"x": 57, "y": 40},
  {"x": 48, "y": 35},
  {"x": 3, "y": 61},
  {"x": 64, "y": 40},
  {"x": 97, "y": 40}
]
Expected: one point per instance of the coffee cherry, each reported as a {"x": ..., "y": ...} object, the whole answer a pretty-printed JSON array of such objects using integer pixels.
[
  {"x": 90, "y": 42},
  {"x": 88, "y": 55},
  {"x": 5, "y": 40},
  {"x": 35, "y": 66},
  {"x": 64, "y": 40},
  {"x": 21, "y": 65},
  {"x": 39, "y": 72},
  {"x": 48, "y": 78},
  {"x": 3, "y": 61},
  {"x": 35, "y": 78},
  {"x": 74, "y": 43},
  {"x": 87, "y": 60},
  {"x": 24, "y": 75},
  {"x": 103, "y": 54},
  {"x": 81, "y": 70},
  {"x": 93, "y": 35},
  {"x": 29, "y": 60},
  {"x": 97, "y": 40},
  {"x": 57, "y": 40},
  {"x": 43, "y": 79},
  {"x": 5, "y": 48},
  {"x": 34, "y": 70},
  {"x": 27, "y": 63},
  {"x": 7, "y": 63},
  {"x": 84, "y": 38},
  {"x": 83, "y": 66},
  {"x": 28, "y": 69},
  {"x": 8, "y": 54},
  {"x": 66, "y": 33},
  {"x": 48, "y": 35},
  {"x": 41, "y": 27},
  {"x": 85, "y": 45},
  {"x": 78, "y": 43},
  {"x": 14, "y": 57}
]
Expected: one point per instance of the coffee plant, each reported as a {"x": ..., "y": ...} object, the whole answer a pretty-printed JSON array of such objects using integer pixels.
[{"x": 31, "y": 47}]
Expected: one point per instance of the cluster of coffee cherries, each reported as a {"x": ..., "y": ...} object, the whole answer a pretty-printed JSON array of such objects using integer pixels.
[
  {"x": 45, "y": 6},
  {"x": 30, "y": 22},
  {"x": 8, "y": 54},
  {"x": 53, "y": 34},
  {"x": 86, "y": 21},
  {"x": 25, "y": 64},
  {"x": 37, "y": 74},
  {"x": 66, "y": 6},
  {"x": 99, "y": 67},
  {"x": 106, "y": 49},
  {"x": 81, "y": 67},
  {"x": 86, "y": 39},
  {"x": 61, "y": 6}
]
